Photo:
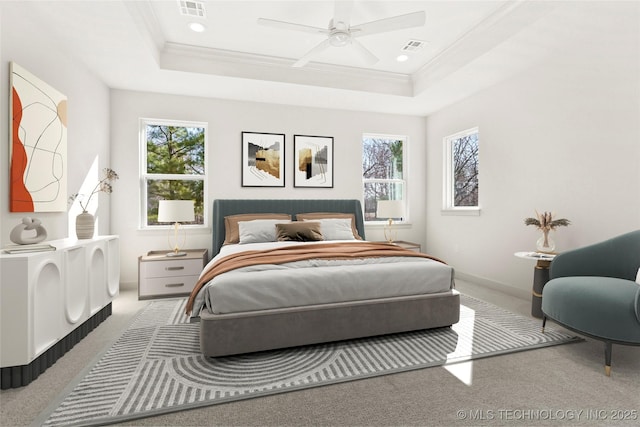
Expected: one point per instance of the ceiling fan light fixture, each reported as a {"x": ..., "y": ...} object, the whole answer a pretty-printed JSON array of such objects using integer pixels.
[{"x": 339, "y": 38}]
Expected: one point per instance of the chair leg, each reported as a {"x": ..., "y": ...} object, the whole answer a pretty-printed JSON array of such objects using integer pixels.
[
  {"x": 544, "y": 322},
  {"x": 607, "y": 358}
]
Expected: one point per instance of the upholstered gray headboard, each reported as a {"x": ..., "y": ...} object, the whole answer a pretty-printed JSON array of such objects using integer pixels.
[{"x": 226, "y": 207}]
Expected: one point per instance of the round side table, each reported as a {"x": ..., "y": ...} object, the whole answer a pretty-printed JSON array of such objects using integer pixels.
[{"x": 540, "y": 278}]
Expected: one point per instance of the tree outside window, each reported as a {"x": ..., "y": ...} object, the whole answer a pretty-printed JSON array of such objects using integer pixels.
[
  {"x": 461, "y": 170},
  {"x": 173, "y": 166},
  {"x": 382, "y": 171}
]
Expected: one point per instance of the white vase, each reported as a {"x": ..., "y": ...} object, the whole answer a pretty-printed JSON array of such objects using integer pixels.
[{"x": 85, "y": 225}]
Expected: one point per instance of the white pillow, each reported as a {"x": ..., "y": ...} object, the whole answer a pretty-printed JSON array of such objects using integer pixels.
[
  {"x": 259, "y": 230},
  {"x": 335, "y": 228}
]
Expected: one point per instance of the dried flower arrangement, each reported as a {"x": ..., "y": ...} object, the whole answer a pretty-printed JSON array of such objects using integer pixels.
[
  {"x": 104, "y": 185},
  {"x": 546, "y": 223}
]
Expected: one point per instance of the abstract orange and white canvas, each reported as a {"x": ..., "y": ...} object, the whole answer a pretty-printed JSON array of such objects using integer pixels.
[{"x": 38, "y": 153}]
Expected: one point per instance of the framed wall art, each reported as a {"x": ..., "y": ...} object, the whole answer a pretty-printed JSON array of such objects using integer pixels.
[
  {"x": 38, "y": 153},
  {"x": 262, "y": 159},
  {"x": 313, "y": 162}
]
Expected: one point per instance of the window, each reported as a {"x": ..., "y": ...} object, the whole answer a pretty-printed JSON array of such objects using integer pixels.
[
  {"x": 172, "y": 166},
  {"x": 383, "y": 171},
  {"x": 461, "y": 189}
]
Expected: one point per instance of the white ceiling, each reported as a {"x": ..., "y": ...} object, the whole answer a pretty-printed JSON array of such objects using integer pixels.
[{"x": 147, "y": 45}]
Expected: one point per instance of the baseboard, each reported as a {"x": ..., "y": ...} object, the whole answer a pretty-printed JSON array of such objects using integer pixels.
[
  {"x": 129, "y": 286},
  {"x": 20, "y": 376},
  {"x": 496, "y": 286}
]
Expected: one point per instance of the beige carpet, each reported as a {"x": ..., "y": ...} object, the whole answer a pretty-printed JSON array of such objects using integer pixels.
[{"x": 566, "y": 377}]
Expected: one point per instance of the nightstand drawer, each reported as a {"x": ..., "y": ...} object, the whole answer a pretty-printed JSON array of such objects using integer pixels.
[
  {"x": 166, "y": 268},
  {"x": 168, "y": 285}
]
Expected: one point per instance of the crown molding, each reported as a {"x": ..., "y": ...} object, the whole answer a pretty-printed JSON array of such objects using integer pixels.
[
  {"x": 195, "y": 59},
  {"x": 146, "y": 21},
  {"x": 506, "y": 20}
]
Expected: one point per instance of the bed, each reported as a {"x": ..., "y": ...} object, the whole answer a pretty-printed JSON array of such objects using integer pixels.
[{"x": 263, "y": 318}]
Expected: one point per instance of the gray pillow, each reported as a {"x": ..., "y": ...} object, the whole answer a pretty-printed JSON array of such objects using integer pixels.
[{"x": 258, "y": 230}]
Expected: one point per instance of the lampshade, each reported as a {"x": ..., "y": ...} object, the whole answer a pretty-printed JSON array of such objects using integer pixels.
[
  {"x": 390, "y": 209},
  {"x": 176, "y": 211}
]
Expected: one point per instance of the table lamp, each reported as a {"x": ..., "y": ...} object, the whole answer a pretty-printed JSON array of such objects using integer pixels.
[
  {"x": 176, "y": 211},
  {"x": 390, "y": 209}
]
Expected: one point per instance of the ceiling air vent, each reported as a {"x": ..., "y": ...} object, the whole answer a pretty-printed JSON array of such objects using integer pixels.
[
  {"x": 192, "y": 8},
  {"x": 413, "y": 45}
]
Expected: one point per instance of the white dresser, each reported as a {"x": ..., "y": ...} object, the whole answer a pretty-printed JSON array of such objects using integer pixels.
[{"x": 51, "y": 300}]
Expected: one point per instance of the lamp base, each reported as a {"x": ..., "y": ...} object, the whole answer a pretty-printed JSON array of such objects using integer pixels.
[
  {"x": 174, "y": 254},
  {"x": 389, "y": 232}
]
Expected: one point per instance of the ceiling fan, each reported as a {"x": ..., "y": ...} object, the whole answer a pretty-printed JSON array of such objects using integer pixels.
[{"x": 340, "y": 33}]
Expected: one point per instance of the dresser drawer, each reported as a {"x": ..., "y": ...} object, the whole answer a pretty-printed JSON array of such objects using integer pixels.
[
  {"x": 183, "y": 267},
  {"x": 167, "y": 285}
]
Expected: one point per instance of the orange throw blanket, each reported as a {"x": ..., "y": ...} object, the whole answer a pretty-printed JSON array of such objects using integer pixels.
[{"x": 342, "y": 250}]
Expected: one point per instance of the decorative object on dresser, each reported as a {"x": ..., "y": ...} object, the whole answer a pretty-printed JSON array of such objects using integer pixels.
[
  {"x": 162, "y": 276},
  {"x": 85, "y": 222},
  {"x": 390, "y": 209},
  {"x": 262, "y": 159},
  {"x": 313, "y": 161},
  {"x": 28, "y": 224},
  {"x": 21, "y": 249},
  {"x": 51, "y": 300},
  {"x": 85, "y": 225},
  {"x": 176, "y": 211},
  {"x": 545, "y": 223}
]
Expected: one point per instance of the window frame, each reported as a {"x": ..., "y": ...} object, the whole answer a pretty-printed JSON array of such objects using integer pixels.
[
  {"x": 448, "y": 187},
  {"x": 144, "y": 176},
  {"x": 404, "y": 181}
]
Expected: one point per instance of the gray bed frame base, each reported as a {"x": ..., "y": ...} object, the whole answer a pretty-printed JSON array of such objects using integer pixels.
[
  {"x": 229, "y": 334},
  {"x": 238, "y": 333}
]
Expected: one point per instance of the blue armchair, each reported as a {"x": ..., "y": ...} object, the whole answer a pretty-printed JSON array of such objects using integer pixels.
[{"x": 593, "y": 291}]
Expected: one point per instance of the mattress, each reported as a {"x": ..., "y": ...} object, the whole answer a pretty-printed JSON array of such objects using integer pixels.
[{"x": 316, "y": 282}]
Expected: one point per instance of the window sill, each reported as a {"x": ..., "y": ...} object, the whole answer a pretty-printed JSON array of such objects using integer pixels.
[
  {"x": 461, "y": 211},
  {"x": 382, "y": 224},
  {"x": 190, "y": 229}
]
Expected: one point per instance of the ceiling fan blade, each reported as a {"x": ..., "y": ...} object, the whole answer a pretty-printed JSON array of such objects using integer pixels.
[
  {"x": 365, "y": 53},
  {"x": 313, "y": 52},
  {"x": 414, "y": 19},
  {"x": 342, "y": 11},
  {"x": 291, "y": 26}
]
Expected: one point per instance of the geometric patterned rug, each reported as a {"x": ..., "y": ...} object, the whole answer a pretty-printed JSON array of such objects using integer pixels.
[{"x": 156, "y": 367}]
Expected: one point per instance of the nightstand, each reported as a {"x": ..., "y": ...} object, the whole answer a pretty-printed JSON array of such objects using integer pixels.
[
  {"x": 407, "y": 245},
  {"x": 163, "y": 276}
]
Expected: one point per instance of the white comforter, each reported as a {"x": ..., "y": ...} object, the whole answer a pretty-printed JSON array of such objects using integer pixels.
[{"x": 311, "y": 282}]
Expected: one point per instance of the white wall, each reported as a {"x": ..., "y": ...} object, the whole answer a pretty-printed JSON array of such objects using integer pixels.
[
  {"x": 23, "y": 41},
  {"x": 563, "y": 136},
  {"x": 226, "y": 120}
]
